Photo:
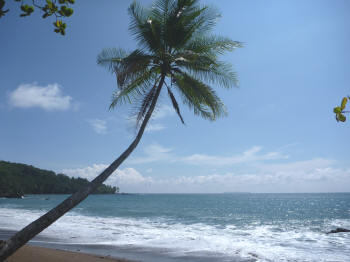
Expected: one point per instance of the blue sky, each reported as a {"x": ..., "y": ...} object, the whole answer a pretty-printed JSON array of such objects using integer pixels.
[{"x": 280, "y": 134}]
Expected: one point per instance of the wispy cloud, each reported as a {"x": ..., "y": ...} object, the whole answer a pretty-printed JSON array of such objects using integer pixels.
[
  {"x": 89, "y": 172},
  {"x": 156, "y": 153},
  {"x": 124, "y": 176},
  {"x": 154, "y": 127},
  {"x": 150, "y": 128},
  {"x": 99, "y": 125},
  {"x": 162, "y": 111},
  {"x": 153, "y": 153},
  {"x": 128, "y": 176},
  {"x": 318, "y": 176},
  {"x": 251, "y": 155},
  {"x": 314, "y": 175},
  {"x": 48, "y": 97}
]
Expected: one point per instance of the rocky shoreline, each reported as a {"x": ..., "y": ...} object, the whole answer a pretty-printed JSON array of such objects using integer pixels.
[{"x": 12, "y": 195}]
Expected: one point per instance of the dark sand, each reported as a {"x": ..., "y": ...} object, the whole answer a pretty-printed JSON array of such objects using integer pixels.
[{"x": 37, "y": 254}]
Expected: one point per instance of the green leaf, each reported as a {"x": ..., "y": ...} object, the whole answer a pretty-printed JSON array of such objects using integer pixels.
[
  {"x": 337, "y": 110},
  {"x": 27, "y": 10},
  {"x": 343, "y": 103},
  {"x": 24, "y": 8},
  {"x": 3, "y": 12},
  {"x": 341, "y": 117},
  {"x": 49, "y": 3},
  {"x": 66, "y": 11}
]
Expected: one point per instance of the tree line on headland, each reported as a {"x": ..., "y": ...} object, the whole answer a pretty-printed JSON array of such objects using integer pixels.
[{"x": 19, "y": 179}]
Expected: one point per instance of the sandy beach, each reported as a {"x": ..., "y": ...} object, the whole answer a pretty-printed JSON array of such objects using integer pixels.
[{"x": 35, "y": 254}]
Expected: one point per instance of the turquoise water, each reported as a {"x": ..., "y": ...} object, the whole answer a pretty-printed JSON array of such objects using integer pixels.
[{"x": 257, "y": 227}]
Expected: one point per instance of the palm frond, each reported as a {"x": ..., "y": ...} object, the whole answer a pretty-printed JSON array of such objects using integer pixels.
[
  {"x": 213, "y": 45},
  {"x": 209, "y": 70},
  {"x": 111, "y": 58},
  {"x": 161, "y": 8},
  {"x": 199, "y": 57},
  {"x": 207, "y": 19},
  {"x": 146, "y": 29},
  {"x": 188, "y": 20},
  {"x": 137, "y": 88},
  {"x": 175, "y": 23},
  {"x": 175, "y": 105},
  {"x": 132, "y": 66},
  {"x": 146, "y": 103},
  {"x": 126, "y": 66},
  {"x": 199, "y": 96}
]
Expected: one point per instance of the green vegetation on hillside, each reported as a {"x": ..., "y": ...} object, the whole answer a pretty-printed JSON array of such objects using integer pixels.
[{"x": 25, "y": 179}]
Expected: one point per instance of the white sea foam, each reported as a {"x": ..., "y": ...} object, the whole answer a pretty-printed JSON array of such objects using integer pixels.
[{"x": 266, "y": 243}]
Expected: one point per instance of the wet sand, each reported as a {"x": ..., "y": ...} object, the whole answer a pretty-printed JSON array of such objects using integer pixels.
[{"x": 35, "y": 254}]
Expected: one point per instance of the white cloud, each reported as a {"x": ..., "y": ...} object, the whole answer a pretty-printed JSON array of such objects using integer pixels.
[
  {"x": 317, "y": 169},
  {"x": 315, "y": 179},
  {"x": 48, "y": 97},
  {"x": 150, "y": 128},
  {"x": 99, "y": 125},
  {"x": 89, "y": 172},
  {"x": 297, "y": 166},
  {"x": 126, "y": 176},
  {"x": 153, "y": 153},
  {"x": 247, "y": 156},
  {"x": 315, "y": 175},
  {"x": 156, "y": 153},
  {"x": 154, "y": 127},
  {"x": 162, "y": 111},
  {"x": 250, "y": 171}
]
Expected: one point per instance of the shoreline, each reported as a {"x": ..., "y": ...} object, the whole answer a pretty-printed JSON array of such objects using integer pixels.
[
  {"x": 220, "y": 228},
  {"x": 103, "y": 252},
  {"x": 29, "y": 253}
]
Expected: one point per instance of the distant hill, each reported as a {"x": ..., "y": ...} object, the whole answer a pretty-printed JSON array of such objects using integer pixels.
[{"x": 18, "y": 179}]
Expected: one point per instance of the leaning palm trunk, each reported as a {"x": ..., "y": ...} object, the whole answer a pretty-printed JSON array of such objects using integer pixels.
[{"x": 22, "y": 237}]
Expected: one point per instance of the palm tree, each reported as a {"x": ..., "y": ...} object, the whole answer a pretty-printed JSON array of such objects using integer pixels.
[{"x": 176, "y": 52}]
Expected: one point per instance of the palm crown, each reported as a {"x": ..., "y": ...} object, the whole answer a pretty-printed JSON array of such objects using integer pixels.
[{"x": 177, "y": 50}]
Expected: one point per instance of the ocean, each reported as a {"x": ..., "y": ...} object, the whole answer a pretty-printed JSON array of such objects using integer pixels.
[{"x": 193, "y": 227}]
